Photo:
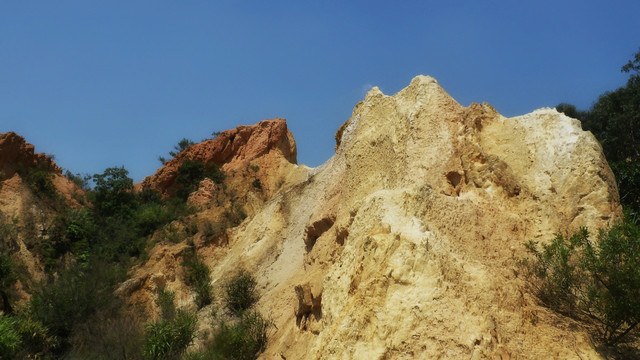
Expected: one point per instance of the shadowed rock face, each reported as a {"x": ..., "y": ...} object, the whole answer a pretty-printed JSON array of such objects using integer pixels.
[
  {"x": 15, "y": 152},
  {"x": 231, "y": 150}
]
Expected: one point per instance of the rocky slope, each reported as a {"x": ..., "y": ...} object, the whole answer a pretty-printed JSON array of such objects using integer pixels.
[
  {"x": 25, "y": 214},
  {"x": 405, "y": 243},
  {"x": 232, "y": 150}
]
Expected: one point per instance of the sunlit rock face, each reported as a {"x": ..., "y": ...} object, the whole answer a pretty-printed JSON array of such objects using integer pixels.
[
  {"x": 404, "y": 245},
  {"x": 232, "y": 150}
]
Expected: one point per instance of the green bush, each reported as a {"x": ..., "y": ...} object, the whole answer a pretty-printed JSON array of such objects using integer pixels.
[
  {"x": 113, "y": 193},
  {"x": 41, "y": 181},
  {"x": 197, "y": 276},
  {"x": 81, "y": 181},
  {"x": 7, "y": 279},
  {"x": 243, "y": 340},
  {"x": 191, "y": 172},
  {"x": 109, "y": 335},
  {"x": 599, "y": 280},
  {"x": 168, "y": 339},
  {"x": 241, "y": 292},
  {"x": 165, "y": 302},
  {"x": 77, "y": 294},
  {"x": 10, "y": 340}
]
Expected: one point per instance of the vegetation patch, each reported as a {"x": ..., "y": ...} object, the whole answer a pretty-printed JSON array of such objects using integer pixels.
[
  {"x": 592, "y": 279},
  {"x": 198, "y": 277},
  {"x": 241, "y": 292}
]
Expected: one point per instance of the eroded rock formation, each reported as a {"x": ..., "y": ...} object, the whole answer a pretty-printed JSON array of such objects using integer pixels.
[
  {"x": 232, "y": 150},
  {"x": 410, "y": 234}
]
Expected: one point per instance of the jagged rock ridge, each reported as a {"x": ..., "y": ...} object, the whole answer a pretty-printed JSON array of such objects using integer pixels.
[
  {"x": 232, "y": 150},
  {"x": 404, "y": 244}
]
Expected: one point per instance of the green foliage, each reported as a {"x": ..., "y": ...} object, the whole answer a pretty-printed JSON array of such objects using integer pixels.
[
  {"x": 165, "y": 302},
  {"x": 598, "y": 279},
  {"x": 198, "y": 277},
  {"x": 109, "y": 335},
  {"x": 76, "y": 295},
  {"x": 34, "y": 337},
  {"x": 82, "y": 181},
  {"x": 257, "y": 184},
  {"x": 234, "y": 216},
  {"x": 182, "y": 145},
  {"x": 191, "y": 172},
  {"x": 168, "y": 339},
  {"x": 243, "y": 340},
  {"x": 41, "y": 181},
  {"x": 113, "y": 193},
  {"x": 10, "y": 340},
  {"x": 255, "y": 168},
  {"x": 241, "y": 292},
  {"x": 7, "y": 279},
  {"x": 627, "y": 175}
]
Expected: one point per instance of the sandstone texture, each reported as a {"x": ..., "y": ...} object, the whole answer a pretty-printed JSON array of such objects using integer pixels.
[
  {"x": 15, "y": 152},
  {"x": 231, "y": 150},
  {"x": 403, "y": 245}
]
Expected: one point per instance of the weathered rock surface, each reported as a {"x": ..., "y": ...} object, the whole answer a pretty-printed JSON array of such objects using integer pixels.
[
  {"x": 231, "y": 150},
  {"x": 404, "y": 245},
  {"x": 25, "y": 215}
]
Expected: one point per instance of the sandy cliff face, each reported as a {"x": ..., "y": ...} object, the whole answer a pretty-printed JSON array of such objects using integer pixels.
[
  {"x": 404, "y": 244},
  {"x": 24, "y": 214}
]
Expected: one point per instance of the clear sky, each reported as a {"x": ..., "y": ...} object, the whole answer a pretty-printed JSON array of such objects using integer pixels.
[{"x": 110, "y": 83}]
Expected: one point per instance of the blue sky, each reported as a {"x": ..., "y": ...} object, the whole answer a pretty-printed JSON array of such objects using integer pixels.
[{"x": 110, "y": 83}]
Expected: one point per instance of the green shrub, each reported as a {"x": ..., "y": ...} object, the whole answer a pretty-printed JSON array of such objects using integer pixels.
[
  {"x": 598, "y": 279},
  {"x": 81, "y": 181},
  {"x": 197, "y": 276},
  {"x": 7, "y": 279},
  {"x": 257, "y": 184},
  {"x": 182, "y": 145},
  {"x": 73, "y": 297},
  {"x": 243, "y": 340},
  {"x": 35, "y": 338},
  {"x": 113, "y": 193},
  {"x": 165, "y": 302},
  {"x": 109, "y": 335},
  {"x": 41, "y": 182},
  {"x": 168, "y": 339},
  {"x": 241, "y": 292},
  {"x": 10, "y": 340},
  {"x": 191, "y": 172},
  {"x": 235, "y": 216}
]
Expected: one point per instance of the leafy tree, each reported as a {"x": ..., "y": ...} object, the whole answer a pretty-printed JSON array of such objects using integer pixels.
[
  {"x": 113, "y": 192},
  {"x": 182, "y": 145},
  {"x": 598, "y": 279}
]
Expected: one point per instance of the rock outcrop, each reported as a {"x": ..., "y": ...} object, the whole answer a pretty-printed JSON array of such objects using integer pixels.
[
  {"x": 404, "y": 245},
  {"x": 231, "y": 150},
  {"x": 25, "y": 215},
  {"x": 16, "y": 153}
]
